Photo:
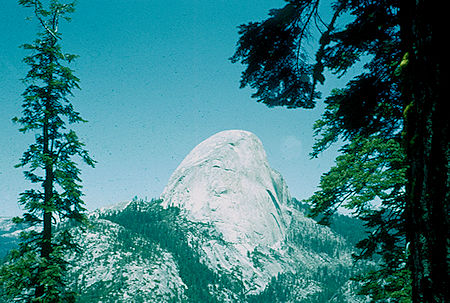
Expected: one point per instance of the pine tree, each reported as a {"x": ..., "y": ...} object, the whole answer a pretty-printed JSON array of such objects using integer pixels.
[
  {"x": 35, "y": 271},
  {"x": 391, "y": 118},
  {"x": 427, "y": 144}
]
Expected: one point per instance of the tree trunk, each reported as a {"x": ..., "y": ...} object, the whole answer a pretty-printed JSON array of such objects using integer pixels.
[
  {"x": 46, "y": 242},
  {"x": 427, "y": 144}
]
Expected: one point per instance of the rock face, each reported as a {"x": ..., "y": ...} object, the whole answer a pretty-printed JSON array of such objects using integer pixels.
[
  {"x": 224, "y": 230},
  {"x": 227, "y": 181},
  {"x": 106, "y": 270}
]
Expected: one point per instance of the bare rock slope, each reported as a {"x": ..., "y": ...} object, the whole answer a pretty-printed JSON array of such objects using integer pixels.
[{"x": 226, "y": 180}]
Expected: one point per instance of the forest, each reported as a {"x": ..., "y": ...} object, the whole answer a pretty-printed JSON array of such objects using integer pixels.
[{"x": 388, "y": 122}]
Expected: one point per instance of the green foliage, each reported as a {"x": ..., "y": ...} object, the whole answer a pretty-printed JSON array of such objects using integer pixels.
[
  {"x": 369, "y": 179},
  {"x": 384, "y": 283},
  {"x": 271, "y": 50},
  {"x": 350, "y": 228},
  {"x": 367, "y": 115},
  {"x": 35, "y": 272},
  {"x": 172, "y": 232},
  {"x": 25, "y": 270},
  {"x": 325, "y": 284}
]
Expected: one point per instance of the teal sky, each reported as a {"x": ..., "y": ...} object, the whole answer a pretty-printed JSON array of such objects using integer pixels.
[{"x": 156, "y": 81}]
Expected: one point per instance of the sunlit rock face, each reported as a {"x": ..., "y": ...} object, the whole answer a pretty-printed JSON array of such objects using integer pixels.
[
  {"x": 233, "y": 225},
  {"x": 226, "y": 180}
]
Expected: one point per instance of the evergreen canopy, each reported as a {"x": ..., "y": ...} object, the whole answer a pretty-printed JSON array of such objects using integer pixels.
[
  {"x": 393, "y": 167},
  {"x": 35, "y": 271}
]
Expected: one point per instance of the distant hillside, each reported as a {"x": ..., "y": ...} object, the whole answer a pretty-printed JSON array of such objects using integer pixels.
[
  {"x": 351, "y": 228},
  {"x": 224, "y": 230}
]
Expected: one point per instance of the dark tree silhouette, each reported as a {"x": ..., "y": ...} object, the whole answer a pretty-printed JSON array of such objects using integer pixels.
[{"x": 391, "y": 118}]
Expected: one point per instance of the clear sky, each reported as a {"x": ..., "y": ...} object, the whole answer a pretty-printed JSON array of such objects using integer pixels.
[{"x": 156, "y": 81}]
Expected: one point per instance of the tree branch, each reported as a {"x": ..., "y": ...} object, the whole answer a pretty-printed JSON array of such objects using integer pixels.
[{"x": 36, "y": 12}]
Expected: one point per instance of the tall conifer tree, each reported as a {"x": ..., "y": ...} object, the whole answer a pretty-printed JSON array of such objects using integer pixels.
[
  {"x": 35, "y": 271},
  {"x": 391, "y": 118}
]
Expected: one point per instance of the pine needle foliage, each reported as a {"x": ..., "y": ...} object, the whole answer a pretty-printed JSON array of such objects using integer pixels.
[
  {"x": 366, "y": 117},
  {"x": 35, "y": 271}
]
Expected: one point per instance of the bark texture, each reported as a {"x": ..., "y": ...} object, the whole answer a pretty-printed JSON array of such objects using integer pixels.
[{"x": 427, "y": 142}]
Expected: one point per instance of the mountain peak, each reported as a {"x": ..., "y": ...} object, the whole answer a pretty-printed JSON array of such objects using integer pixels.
[
  {"x": 227, "y": 181},
  {"x": 232, "y": 236},
  {"x": 223, "y": 144}
]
